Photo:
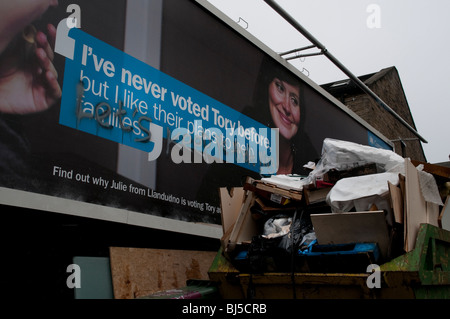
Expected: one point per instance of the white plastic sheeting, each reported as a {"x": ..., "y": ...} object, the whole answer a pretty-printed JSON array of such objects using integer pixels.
[
  {"x": 344, "y": 155},
  {"x": 360, "y": 192}
]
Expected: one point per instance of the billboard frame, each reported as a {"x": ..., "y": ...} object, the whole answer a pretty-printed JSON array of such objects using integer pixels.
[{"x": 42, "y": 202}]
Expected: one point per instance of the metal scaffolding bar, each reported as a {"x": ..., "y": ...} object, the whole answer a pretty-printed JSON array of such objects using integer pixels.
[
  {"x": 298, "y": 56},
  {"x": 354, "y": 78},
  {"x": 298, "y": 50}
]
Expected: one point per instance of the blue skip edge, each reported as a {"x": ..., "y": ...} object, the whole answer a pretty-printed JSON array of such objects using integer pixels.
[
  {"x": 342, "y": 249},
  {"x": 314, "y": 250}
]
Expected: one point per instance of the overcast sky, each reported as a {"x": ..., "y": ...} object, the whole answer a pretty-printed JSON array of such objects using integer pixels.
[{"x": 367, "y": 36}]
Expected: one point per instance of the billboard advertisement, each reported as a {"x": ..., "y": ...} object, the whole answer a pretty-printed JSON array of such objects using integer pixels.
[{"x": 139, "y": 111}]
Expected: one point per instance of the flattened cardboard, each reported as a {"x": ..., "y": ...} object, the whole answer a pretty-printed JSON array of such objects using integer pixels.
[
  {"x": 433, "y": 168},
  {"x": 315, "y": 195}
]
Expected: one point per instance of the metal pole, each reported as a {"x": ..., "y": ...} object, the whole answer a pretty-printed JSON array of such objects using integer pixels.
[
  {"x": 298, "y": 50},
  {"x": 298, "y": 56},
  {"x": 354, "y": 78}
]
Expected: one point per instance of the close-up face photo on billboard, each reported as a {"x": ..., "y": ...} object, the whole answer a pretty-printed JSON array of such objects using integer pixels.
[{"x": 174, "y": 127}]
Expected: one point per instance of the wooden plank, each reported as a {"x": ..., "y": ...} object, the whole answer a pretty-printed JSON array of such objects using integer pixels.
[
  {"x": 292, "y": 194},
  {"x": 433, "y": 169},
  {"x": 268, "y": 194},
  {"x": 266, "y": 208},
  {"x": 225, "y": 240},
  {"x": 396, "y": 202},
  {"x": 402, "y": 184},
  {"x": 416, "y": 206},
  {"x": 231, "y": 203},
  {"x": 245, "y": 227},
  {"x": 444, "y": 217},
  {"x": 352, "y": 227},
  {"x": 138, "y": 272}
]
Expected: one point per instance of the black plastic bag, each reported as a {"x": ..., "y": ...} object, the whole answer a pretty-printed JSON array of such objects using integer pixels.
[{"x": 274, "y": 249}]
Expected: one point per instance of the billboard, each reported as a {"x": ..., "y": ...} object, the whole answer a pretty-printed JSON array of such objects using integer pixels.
[{"x": 138, "y": 111}]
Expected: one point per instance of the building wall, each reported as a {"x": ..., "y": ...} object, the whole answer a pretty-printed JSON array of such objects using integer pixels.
[{"x": 387, "y": 85}]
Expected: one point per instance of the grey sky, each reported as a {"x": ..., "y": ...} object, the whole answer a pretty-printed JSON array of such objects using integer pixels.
[{"x": 410, "y": 35}]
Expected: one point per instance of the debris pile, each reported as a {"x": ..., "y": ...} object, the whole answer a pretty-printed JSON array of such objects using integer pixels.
[{"x": 359, "y": 205}]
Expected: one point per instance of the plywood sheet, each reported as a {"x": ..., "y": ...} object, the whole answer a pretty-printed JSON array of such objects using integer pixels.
[
  {"x": 231, "y": 203},
  {"x": 353, "y": 227},
  {"x": 138, "y": 272},
  {"x": 402, "y": 184},
  {"x": 416, "y": 206},
  {"x": 396, "y": 202},
  {"x": 245, "y": 227}
]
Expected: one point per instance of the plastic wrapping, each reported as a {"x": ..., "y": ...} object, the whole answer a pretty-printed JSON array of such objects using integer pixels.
[
  {"x": 341, "y": 156},
  {"x": 428, "y": 187},
  {"x": 276, "y": 227},
  {"x": 344, "y": 155},
  {"x": 362, "y": 192},
  {"x": 283, "y": 236}
]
